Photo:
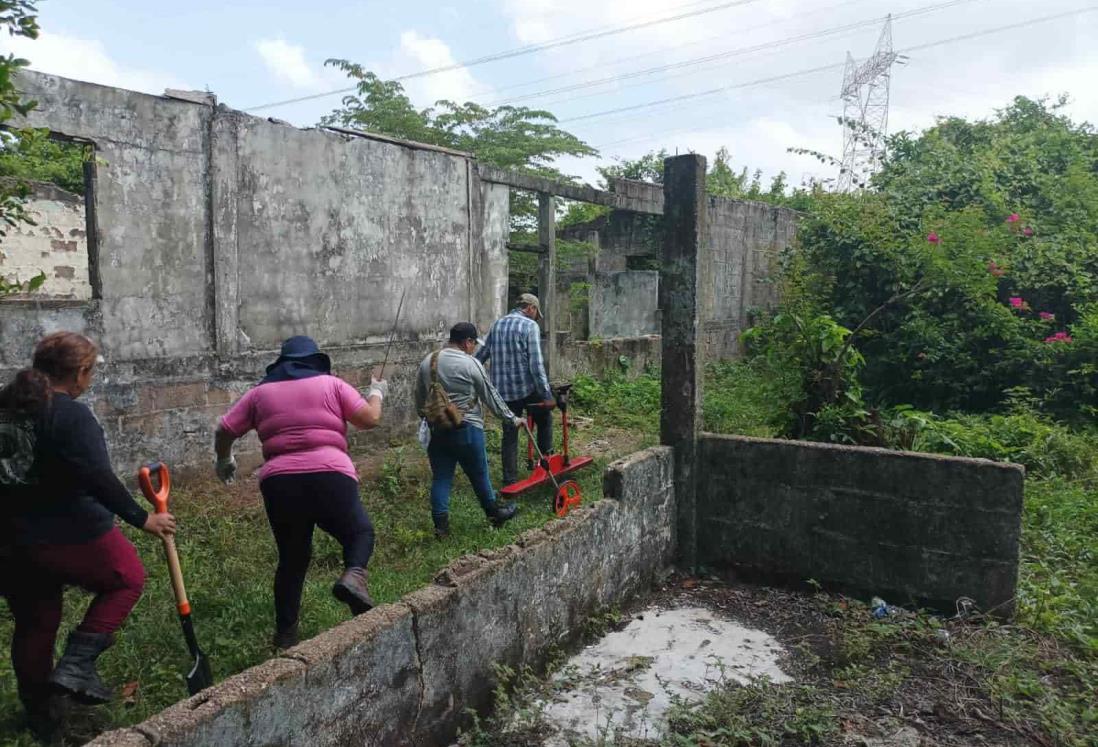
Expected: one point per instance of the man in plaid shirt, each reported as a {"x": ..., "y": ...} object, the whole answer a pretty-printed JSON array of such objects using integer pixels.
[{"x": 518, "y": 373}]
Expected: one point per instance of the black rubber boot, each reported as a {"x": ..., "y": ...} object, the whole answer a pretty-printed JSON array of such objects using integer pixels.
[
  {"x": 47, "y": 713},
  {"x": 351, "y": 589},
  {"x": 442, "y": 525},
  {"x": 500, "y": 515},
  {"x": 286, "y": 638},
  {"x": 75, "y": 673}
]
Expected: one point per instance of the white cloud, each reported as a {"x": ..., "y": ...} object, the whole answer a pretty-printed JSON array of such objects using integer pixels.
[
  {"x": 287, "y": 63},
  {"x": 419, "y": 52},
  {"x": 87, "y": 60}
]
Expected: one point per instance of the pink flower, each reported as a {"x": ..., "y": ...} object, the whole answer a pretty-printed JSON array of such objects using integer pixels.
[
  {"x": 1013, "y": 218},
  {"x": 1047, "y": 317},
  {"x": 933, "y": 238},
  {"x": 1016, "y": 302},
  {"x": 995, "y": 270},
  {"x": 1059, "y": 337},
  {"x": 1027, "y": 231}
]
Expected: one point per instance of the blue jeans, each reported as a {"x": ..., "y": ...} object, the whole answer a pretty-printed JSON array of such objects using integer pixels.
[{"x": 464, "y": 446}]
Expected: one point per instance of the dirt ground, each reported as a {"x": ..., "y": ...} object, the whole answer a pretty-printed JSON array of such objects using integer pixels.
[{"x": 935, "y": 703}]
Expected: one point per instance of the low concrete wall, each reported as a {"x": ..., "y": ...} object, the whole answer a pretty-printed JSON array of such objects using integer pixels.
[
  {"x": 625, "y": 355},
  {"x": 404, "y": 673},
  {"x": 912, "y": 528}
]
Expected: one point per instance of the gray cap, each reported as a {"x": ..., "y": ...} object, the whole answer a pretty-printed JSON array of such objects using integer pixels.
[{"x": 529, "y": 299}]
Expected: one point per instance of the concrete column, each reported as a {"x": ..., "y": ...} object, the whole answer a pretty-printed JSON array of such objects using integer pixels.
[
  {"x": 223, "y": 232},
  {"x": 684, "y": 219},
  {"x": 547, "y": 274}
]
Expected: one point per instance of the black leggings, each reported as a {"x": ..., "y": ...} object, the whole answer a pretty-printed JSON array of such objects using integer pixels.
[{"x": 295, "y": 504}]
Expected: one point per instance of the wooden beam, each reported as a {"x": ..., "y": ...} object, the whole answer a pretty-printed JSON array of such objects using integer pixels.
[{"x": 632, "y": 200}]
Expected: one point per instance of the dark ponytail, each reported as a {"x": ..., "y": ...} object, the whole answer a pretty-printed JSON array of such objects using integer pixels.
[
  {"x": 58, "y": 357},
  {"x": 28, "y": 393}
]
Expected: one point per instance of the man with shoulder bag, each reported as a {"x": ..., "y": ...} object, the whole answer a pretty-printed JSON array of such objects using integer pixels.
[{"x": 451, "y": 388}]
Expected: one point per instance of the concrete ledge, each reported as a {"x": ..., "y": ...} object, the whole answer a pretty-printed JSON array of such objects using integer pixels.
[{"x": 406, "y": 673}]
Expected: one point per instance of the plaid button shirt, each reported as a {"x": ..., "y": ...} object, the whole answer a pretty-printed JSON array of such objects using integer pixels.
[{"x": 514, "y": 347}]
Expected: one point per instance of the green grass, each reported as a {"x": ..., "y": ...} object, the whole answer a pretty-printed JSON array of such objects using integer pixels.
[{"x": 228, "y": 557}]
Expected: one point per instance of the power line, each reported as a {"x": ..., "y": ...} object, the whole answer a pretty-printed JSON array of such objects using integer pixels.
[
  {"x": 821, "y": 68},
  {"x": 529, "y": 49},
  {"x": 662, "y": 50},
  {"x": 809, "y": 36}
]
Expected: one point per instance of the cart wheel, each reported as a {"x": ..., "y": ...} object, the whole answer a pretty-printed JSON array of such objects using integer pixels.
[{"x": 567, "y": 498}]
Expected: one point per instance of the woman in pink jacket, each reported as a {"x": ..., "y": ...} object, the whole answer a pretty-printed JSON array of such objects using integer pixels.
[{"x": 300, "y": 412}]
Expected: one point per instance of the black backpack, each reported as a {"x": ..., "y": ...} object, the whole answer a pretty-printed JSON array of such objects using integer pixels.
[{"x": 17, "y": 439}]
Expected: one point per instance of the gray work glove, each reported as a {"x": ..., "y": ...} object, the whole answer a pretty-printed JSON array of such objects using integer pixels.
[
  {"x": 379, "y": 387},
  {"x": 519, "y": 422},
  {"x": 226, "y": 469}
]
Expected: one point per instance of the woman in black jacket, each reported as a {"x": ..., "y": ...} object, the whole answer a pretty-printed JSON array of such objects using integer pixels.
[{"x": 59, "y": 509}]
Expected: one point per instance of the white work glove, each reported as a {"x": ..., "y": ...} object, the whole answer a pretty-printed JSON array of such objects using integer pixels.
[
  {"x": 380, "y": 387},
  {"x": 226, "y": 469},
  {"x": 519, "y": 422}
]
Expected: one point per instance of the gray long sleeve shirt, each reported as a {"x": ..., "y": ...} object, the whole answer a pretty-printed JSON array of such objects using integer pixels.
[{"x": 465, "y": 380}]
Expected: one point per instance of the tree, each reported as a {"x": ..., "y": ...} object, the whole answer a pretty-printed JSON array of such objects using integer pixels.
[
  {"x": 509, "y": 137},
  {"x": 17, "y": 17},
  {"x": 33, "y": 155},
  {"x": 997, "y": 221}
]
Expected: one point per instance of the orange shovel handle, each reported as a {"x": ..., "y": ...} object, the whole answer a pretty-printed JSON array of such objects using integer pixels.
[{"x": 158, "y": 498}]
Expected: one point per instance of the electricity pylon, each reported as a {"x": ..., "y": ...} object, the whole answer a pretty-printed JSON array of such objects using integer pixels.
[{"x": 865, "y": 112}]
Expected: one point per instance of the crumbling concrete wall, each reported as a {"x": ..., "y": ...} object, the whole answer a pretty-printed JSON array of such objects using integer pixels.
[
  {"x": 739, "y": 269},
  {"x": 405, "y": 673},
  {"x": 912, "y": 528},
  {"x": 624, "y": 304},
  {"x": 627, "y": 356},
  {"x": 219, "y": 234},
  {"x": 56, "y": 244},
  {"x": 745, "y": 240}
]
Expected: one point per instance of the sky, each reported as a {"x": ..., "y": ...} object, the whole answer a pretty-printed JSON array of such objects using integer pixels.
[{"x": 751, "y": 56}]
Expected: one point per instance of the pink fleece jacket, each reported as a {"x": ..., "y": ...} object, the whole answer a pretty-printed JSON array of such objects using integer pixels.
[{"x": 301, "y": 424}]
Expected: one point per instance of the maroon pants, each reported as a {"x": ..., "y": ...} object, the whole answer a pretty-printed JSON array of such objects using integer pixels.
[{"x": 107, "y": 566}]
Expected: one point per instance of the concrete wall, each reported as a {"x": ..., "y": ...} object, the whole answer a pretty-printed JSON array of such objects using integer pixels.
[
  {"x": 403, "y": 674},
  {"x": 617, "y": 355},
  {"x": 219, "y": 234},
  {"x": 744, "y": 241},
  {"x": 624, "y": 304},
  {"x": 57, "y": 244},
  {"x": 912, "y": 528}
]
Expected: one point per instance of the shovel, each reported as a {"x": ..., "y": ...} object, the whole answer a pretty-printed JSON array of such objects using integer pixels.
[
  {"x": 199, "y": 677},
  {"x": 568, "y": 494}
]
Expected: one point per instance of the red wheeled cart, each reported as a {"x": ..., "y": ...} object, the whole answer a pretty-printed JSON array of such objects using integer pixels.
[{"x": 547, "y": 469}]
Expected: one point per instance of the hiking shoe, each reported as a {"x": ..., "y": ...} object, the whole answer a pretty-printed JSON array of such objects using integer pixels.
[
  {"x": 76, "y": 674},
  {"x": 351, "y": 590},
  {"x": 286, "y": 638},
  {"x": 500, "y": 515},
  {"x": 442, "y": 526}
]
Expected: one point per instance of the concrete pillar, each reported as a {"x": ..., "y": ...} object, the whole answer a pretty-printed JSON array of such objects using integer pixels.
[
  {"x": 547, "y": 275},
  {"x": 684, "y": 219}
]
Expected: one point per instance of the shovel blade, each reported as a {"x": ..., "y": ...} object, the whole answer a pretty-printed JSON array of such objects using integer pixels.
[{"x": 200, "y": 677}]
